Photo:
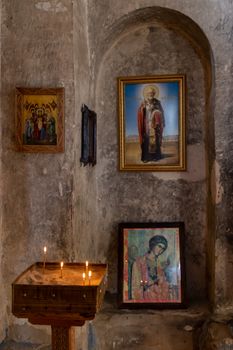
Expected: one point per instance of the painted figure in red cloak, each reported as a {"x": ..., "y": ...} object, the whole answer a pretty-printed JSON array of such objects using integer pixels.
[{"x": 150, "y": 125}]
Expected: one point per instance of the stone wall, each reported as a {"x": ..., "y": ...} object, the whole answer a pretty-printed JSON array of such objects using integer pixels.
[
  {"x": 118, "y": 21},
  {"x": 153, "y": 50},
  {"x": 37, "y": 51},
  {"x": 2, "y": 292},
  {"x": 50, "y": 200}
]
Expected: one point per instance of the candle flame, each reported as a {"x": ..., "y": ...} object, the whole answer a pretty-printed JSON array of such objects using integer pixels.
[
  {"x": 45, "y": 249},
  {"x": 84, "y": 275},
  {"x": 86, "y": 263},
  {"x": 62, "y": 264},
  {"x": 89, "y": 274}
]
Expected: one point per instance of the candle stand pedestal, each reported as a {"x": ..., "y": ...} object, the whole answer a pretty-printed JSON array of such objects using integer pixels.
[{"x": 44, "y": 297}]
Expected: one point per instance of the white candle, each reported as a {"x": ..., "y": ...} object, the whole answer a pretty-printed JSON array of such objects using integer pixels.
[
  {"x": 62, "y": 264},
  {"x": 89, "y": 276},
  {"x": 87, "y": 268},
  {"x": 45, "y": 251}
]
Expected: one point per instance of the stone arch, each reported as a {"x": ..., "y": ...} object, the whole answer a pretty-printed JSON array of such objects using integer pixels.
[
  {"x": 184, "y": 27},
  {"x": 170, "y": 18}
]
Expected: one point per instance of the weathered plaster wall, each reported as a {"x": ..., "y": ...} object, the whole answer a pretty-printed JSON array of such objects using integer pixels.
[
  {"x": 84, "y": 196},
  {"x": 147, "y": 329},
  {"x": 153, "y": 49},
  {"x": 83, "y": 193},
  {"x": 37, "y": 51},
  {"x": 81, "y": 79},
  {"x": 2, "y": 306},
  {"x": 48, "y": 199},
  {"x": 218, "y": 30}
]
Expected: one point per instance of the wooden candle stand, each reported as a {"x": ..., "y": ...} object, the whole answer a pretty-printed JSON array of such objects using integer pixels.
[{"x": 44, "y": 297}]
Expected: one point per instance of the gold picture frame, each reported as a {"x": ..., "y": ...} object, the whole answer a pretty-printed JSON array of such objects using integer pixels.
[
  {"x": 39, "y": 120},
  {"x": 152, "y": 123}
]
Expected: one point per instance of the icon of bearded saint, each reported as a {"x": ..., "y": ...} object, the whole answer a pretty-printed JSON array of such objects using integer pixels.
[{"x": 150, "y": 124}]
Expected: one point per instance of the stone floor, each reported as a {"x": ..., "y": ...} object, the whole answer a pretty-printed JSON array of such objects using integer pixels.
[{"x": 10, "y": 345}]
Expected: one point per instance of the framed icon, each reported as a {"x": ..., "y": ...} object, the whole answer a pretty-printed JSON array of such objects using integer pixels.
[
  {"x": 40, "y": 120},
  {"x": 152, "y": 123},
  {"x": 151, "y": 265}
]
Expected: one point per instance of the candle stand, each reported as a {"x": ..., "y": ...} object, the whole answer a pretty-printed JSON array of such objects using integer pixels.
[{"x": 45, "y": 297}]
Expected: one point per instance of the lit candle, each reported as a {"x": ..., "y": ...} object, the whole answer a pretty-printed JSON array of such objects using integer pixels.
[
  {"x": 62, "y": 264},
  {"x": 84, "y": 277},
  {"x": 45, "y": 251},
  {"x": 86, "y": 266},
  {"x": 89, "y": 276}
]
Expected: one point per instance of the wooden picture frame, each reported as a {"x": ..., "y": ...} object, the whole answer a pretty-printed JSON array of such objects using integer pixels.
[
  {"x": 40, "y": 120},
  {"x": 151, "y": 271},
  {"x": 152, "y": 123}
]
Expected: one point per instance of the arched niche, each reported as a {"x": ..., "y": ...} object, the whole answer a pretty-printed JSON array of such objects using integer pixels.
[{"x": 154, "y": 41}]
